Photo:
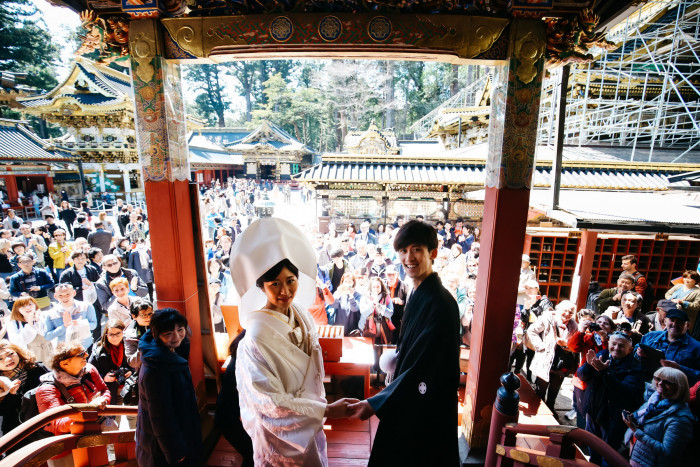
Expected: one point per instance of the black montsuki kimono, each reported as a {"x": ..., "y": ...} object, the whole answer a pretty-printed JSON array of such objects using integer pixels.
[{"x": 418, "y": 410}]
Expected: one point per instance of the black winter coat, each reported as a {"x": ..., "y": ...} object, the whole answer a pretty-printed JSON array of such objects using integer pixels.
[
  {"x": 102, "y": 360},
  {"x": 609, "y": 392},
  {"x": 168, "y": 428},
  {"x": 70, "y": 275}
]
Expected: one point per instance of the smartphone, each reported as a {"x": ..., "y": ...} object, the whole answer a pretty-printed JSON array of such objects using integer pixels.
[{"x": 626, "y": 414}]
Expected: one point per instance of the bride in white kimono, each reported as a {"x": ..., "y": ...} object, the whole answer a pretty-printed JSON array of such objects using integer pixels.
[{"x": 279, "y": 365}]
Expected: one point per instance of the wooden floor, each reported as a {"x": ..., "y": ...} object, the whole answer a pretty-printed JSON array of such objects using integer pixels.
[
  {"x": 350, "y": 441},
  {"x": 349, "y": 444}
]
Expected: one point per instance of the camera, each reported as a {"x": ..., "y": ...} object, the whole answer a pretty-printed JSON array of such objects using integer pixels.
[
  {"x": 594, "y": 327},
  {"x": 120, "y": 374}
]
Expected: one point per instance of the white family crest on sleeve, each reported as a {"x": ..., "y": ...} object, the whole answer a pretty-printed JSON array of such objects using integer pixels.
[{"x": 422, "y": 388}]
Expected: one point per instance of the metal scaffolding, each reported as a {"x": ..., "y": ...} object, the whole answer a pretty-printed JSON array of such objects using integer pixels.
[
  {"x": 469, "y": 96},
  {"x": 644, "y": 94}
]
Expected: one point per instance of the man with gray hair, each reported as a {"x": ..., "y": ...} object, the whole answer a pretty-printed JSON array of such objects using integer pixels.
[
  {"x": 360, "y": 259},
  {"x": 365, "y": 234}
]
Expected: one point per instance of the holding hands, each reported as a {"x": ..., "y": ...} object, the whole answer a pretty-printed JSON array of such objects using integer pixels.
[
  {"x": 349, "y": 408},
  {"x": 361, "y": 410},
  {"x": 339, "y": 408}
]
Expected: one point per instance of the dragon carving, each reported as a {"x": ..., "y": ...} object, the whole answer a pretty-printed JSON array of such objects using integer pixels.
[
  {"x": 107, "y": 38},
  {"x": 570, "y": 39}
]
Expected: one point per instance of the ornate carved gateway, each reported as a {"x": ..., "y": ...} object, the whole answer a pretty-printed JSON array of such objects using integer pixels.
[{"x": 509, "y": 33}]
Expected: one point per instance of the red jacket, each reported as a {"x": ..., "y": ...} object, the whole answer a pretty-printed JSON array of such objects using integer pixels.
[
  {"x": 582, "y": 342},
  {"x": 48, "y": 396}
]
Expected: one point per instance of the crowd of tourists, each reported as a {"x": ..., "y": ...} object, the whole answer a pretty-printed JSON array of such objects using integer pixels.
[
  {"x": 77, "y": 294},
  {"x": 636, "y": 371}
]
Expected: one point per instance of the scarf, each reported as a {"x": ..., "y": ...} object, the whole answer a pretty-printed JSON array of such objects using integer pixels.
[
  {"x": 69, "y": 380},
  {"x": 19, "y": 373},
  {"x": 116, "y": 353},
  {"x": 655, "y": 405}
]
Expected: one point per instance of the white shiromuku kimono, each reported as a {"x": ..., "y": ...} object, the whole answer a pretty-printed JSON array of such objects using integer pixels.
[{"x": 281, "y": 392}]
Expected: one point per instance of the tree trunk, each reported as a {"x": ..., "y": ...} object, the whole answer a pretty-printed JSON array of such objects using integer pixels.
[
  {"x": 454, "y": 84},
  {"x": 389, "y": 83},
  {"x": 342, "y": 129},
  {"x": 248, "y": 104}
]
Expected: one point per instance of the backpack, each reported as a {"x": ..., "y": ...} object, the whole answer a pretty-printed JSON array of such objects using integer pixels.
[
  {"x": 30, "y": 409},
  {"x": 594, "y": 290}
]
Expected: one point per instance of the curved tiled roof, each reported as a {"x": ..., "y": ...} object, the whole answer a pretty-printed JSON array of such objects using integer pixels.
[
  {"x": 107, "y": 87},
  {"x": 17, "y": 142},
  {"x": 452, "y": 174}
]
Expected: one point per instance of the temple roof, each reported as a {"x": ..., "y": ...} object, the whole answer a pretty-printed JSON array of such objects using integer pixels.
[
  {"x": 19, "y": 143},
  {"x": 216, "y": 138},
  {"x": 583, "y": 168},
  {"x": 371, "y": 141},
  {"x": 268, "y": 136},
  {"x": 88, "y": 89}
]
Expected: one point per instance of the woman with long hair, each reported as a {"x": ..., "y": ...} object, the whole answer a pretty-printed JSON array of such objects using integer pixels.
[
  {"x": 5, "y": 255},
  {"x": 20, "y": 367},
  {"x": 279, "y": 364},
  {"x": 109, "y": 357},
  {"x": 68, "y": 215},
  {"x": 376, "y": 310},
  {"x": 108, "y": 225},
  {"x": 26, "y": 329}
]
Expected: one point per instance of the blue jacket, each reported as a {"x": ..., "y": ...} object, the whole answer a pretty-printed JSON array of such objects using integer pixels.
[
  {"x": 609, "y": 392},
  {"x": 663, "y": 439},
  {"x": 54, "y": 321},
  {"x": 684, "y": 351},
  {"x": 168, "y": 427},
  {"x": 18, "y": 283}
]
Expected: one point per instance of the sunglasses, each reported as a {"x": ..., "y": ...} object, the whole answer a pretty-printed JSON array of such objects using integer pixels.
[
  {"x": 145, "y": 315},
  {"x": 111, "y": 263},
  {"x": 621, "y": 334},
  {"x": 665, "y": 382},
  {"x": 82, "y": 354}
]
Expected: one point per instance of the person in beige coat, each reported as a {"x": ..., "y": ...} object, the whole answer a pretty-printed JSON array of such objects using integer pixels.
[{"x": 552, "y": 329}]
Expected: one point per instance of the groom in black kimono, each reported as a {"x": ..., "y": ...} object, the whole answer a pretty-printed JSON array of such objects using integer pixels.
[{"x": 418, "y": 411}]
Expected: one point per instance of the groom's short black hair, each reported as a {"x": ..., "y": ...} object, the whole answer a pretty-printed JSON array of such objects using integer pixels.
[{"x": 416, "y": 232}]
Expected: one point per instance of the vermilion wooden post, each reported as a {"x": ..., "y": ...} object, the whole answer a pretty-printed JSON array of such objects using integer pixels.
[
  {"x": 586, "y": 251},
  {"x": 11, "y": 187},
  {"x": 512, "y": 139},
  {"x": 162, "y": 143}
]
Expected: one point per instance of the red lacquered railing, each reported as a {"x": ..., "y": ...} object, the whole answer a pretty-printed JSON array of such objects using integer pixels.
[
  {"x": 560, "y": 451},
  {"x": 86, "y": 441}
]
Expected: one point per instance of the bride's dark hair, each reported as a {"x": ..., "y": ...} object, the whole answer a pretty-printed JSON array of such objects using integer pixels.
[{"x": 275, "y": 270}]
